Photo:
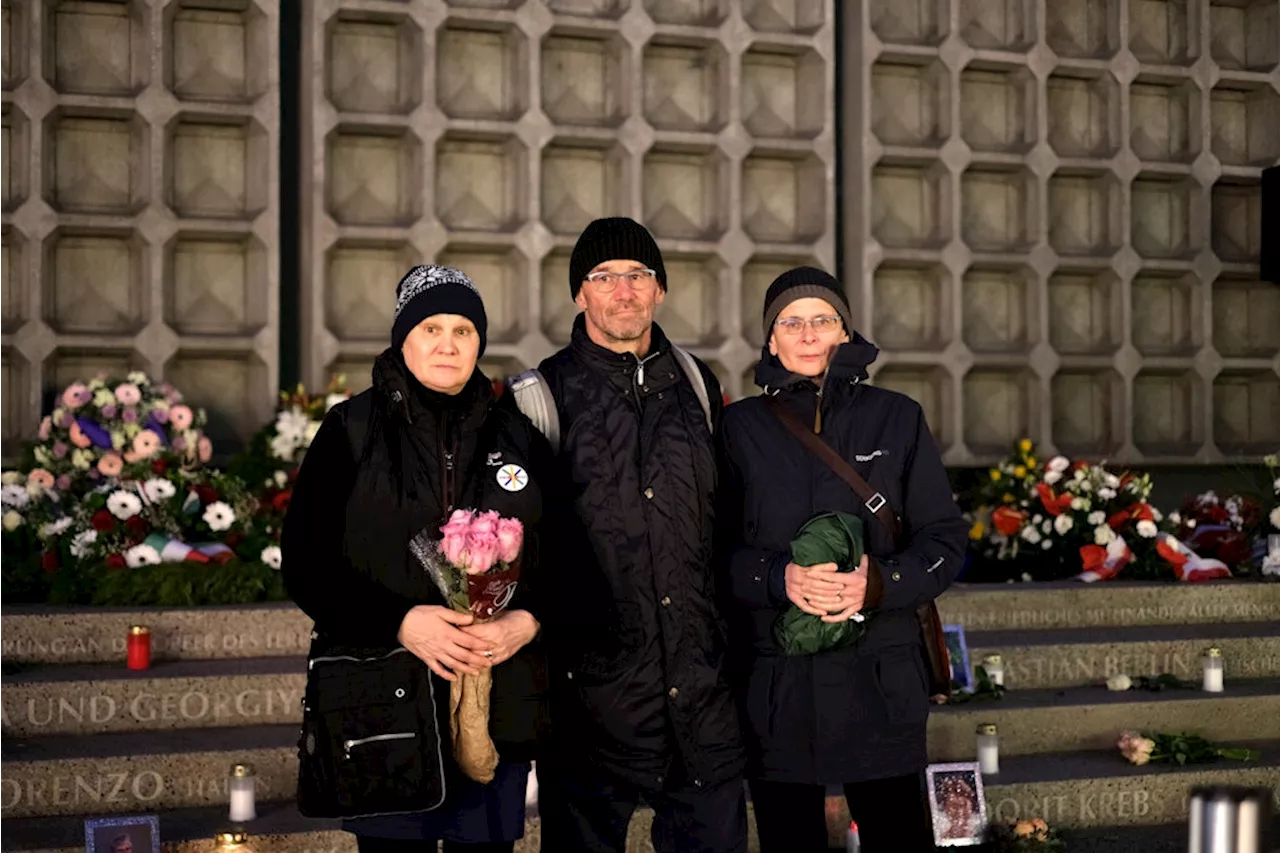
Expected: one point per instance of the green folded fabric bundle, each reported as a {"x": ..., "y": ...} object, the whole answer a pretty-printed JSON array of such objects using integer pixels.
[{"x": 830, "y": 537}]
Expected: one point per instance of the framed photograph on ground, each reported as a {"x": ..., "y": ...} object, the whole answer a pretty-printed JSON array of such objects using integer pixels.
[
  {"x": 957, "y": 805},
  {"x": 958, "y": 652},
  {"x": 122, "y": 834}
]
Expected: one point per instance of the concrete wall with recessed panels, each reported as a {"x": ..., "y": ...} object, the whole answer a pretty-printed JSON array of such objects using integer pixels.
[
  {"x": 487, "y": 134},
  {"x": 140, "y": 209},
  {"x": 1051, "y": 220}
]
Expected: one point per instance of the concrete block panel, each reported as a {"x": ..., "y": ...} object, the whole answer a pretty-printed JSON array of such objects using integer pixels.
[
  {"x": 916, "y": 22},
  {"x": 226, "y": 384},
  {"x": 1244, "y": 36},
  {"x": 1083, "y": 29},
  {"x": 480, "y": 71},
  {"x": 1164, "y": 32},
  {"x": 481, "y": 182},
  {"x": 686, "y": 85},
  {"x": 1088, "y": 412},
  {"x": 359, "y": 276},
  {"x": 1245, "y": 122},
  {"x": 784, "y": 93},
  {"x": 911, "y": 101},
  {"x": 1246, "y": 313},
  {"x": 1166, "y": 215},
  {"x": 998, "y": 24},
  {"x": 998, "y": 405},
  {"x": 499, "y": 272},
  {"x": 140, "y": 196},
  {"x": 1164, "y": 119},
  {"x": 374, "y": 172},
  {"x": 998, "y": 108},
  {"x": 585, "y": 78},
  {"x": 999, "y": 304},
  {"x": 375, "y": 63},
  {"x": 1085, "y": 311},
  {"x": 685, "y": 192},
  {"x": 912, "y": 306},
  {"x": 1235, "y": 220},
  {"x": 1083, "y": 109},
  {"x": 1246, "y": 405},
  {"x": 1167, "y": 315},
  {"x": 931, "y": 388},
  {"x": 1168, "y": 408},
  {"x": 1084, "y": 209},
  {"x": 911, "y": 204}
]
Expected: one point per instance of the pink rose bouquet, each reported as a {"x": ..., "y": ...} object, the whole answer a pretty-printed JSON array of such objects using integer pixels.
[{"x": 475, "y": 564}]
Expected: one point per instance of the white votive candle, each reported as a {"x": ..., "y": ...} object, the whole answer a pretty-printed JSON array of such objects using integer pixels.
[
  {"x": 994, "y": 666},
  {"x": 1213, "y": 670},
  {"x": 988, "y": 750},
  {"x": 241, "y": 789}
]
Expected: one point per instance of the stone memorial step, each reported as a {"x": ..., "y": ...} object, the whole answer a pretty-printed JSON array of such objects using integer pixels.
[
  {"x": 141, "y": 771},
  {"x": 1073, "y": 657},
  {"x": 43, "y": 634},
  {"x": 1109, "y": 604},
  {"x": 98, "y": 698},
  {"x": 1036, "y": 722}
]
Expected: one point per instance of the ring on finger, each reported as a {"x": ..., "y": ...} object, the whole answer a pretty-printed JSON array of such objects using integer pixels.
[{"x": 488, "y": 653}]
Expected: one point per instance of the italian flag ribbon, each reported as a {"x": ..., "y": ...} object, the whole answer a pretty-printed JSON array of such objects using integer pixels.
[{"x": 1102, "y": 564}]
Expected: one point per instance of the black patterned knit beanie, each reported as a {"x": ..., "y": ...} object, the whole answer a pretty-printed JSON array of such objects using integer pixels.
[{"x": 431, "y": 289}]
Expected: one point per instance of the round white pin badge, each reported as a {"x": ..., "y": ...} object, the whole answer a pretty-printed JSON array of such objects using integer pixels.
[{"x": 513, "y": 478}]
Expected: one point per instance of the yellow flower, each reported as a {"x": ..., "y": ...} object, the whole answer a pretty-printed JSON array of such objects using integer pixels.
[
  {"x": 977, "y": 531},
  {"x": 1020, "y": 472},
  {"x": 1025, "y": 445},
  {"x": 995, "y": 474},
  {"x": 1007, "y": 498},
  {"x": 1023, "y": 828},
  {"x": 1040, "y": 825},
  {"x": 1031, "y": 462}
]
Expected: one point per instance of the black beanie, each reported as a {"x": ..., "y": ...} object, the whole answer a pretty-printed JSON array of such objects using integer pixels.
[
  {"x": 803, "y": 283},
  {"x": 433, "y": 289},
  {"x": 614, "y": 239}
]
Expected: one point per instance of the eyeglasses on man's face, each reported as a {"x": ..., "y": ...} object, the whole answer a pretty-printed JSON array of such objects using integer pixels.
[
  {"x": 606, "y": 282},
  {"x": 794, "y": 326}
]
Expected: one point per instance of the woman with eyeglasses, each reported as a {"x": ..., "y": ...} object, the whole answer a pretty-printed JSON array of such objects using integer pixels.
[{"x": 853, "y": 716}]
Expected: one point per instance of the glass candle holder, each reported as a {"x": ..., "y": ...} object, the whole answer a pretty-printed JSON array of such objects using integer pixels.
[
  {"x": 994, "y": 665},
  {"x": 1213, "y": 670},
  {"x": 988, "y": 749},
  {"x": 243, "y": 807},
  {"x": 139, "y": 647},
  {"x": 231, "y": 842}
]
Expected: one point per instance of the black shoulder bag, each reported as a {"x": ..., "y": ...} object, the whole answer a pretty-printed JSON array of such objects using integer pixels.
[{"x": 927, "y": 614}]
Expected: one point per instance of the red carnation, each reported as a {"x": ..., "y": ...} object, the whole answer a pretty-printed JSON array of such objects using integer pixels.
[
  {"x": 206, "y": 494},
  {"x": 280, "y": 502},
  {"x": 159, "y": 466},
  {"x": 102, "y": 521},
  {"x": 49, "y": 561},
  {"x": 233, "y": 540},
  {"x": 115, "y": 561},
  {"x": 137, "y": 527}
]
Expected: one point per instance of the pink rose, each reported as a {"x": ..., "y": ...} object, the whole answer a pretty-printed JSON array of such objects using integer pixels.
[
  {"x": 454, "y": 549},
  {"x": 181, "y": 417},
  {"x": 458, "y": 524},
  {"x": 75, "y": 396},
  {"x": 110, "y": 465},
  {"x": 46, "y": 424},
  {"x": 510, "y": 538},
  {"x": 40, "y": 477},
  {"x": 485, "y": 524},
  {"x": 483, "y": 547},
  {"x": 78, "y": 438},
  {"x": 128, "y": 394}
]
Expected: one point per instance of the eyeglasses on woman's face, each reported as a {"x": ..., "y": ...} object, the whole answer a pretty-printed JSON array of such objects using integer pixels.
[
  {"x": 793, "y": 327},
  {"x": 607, "y": 282}
]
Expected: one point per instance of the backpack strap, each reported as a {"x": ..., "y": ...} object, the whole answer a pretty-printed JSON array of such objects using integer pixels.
[
  {"x": 699, "y": 382},
  {"x": 534, "y": 399}
]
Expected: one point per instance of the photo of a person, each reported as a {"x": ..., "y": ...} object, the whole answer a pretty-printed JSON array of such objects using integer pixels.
[
  {"x": 132, "y": 834},
  {"x": 958, "y": 652},
  {"x": 956, "y": 802}
]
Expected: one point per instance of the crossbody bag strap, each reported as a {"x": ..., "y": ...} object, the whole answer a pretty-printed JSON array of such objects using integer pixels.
[{"x": 875, "y": 501}]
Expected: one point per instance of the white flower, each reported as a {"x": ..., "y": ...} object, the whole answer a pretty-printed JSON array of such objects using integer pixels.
[
  {"x": 1102, "y": 534},
  {"x": 137, "y": 377},
  {"x": 104, "y": 397},
  {"x": 1191, "y": 522},
  {"x": 1031, "y": 534},
  {"x": 35, "y": 489},
  {"x": 1058, "y": 464},
  {"x": 14, "y": 495},
  {"x": 1026, "y": 577},
  {"x": 1079, "y": 474},
  {"x": 292, "y": 423},
  {"x": 158, "y": 489},
  {"x": 1209, "y": 498},
  {"x": 1052, "y": 477},
  {"x": 1175, "y": 517},
  {"x": 1119, "y": 682},
  {"x": 309, "y": 434},
  {"x": 124, "y": 505},
  {"x": 57, "y": 528},
  {"x": 1086, "y": 486},
  {"x": 1275, "y": 517},
  {"x": 1046, "y": 544},
  {"x": 1147, "y": 529},
  {"x": 1157, "y": 514},
  {"x": 82, "y": 458},
  {"x": 117, "y": 439},
  {"x": 333, "y": 400},
  {"x": 281, "y": 479},
  {"x": 1275, "y": 487},
  {"x": 141, "y": 555},
  {"x": 282, "y": 446},
  {"x": 1047, "y": 526},
  {"x": 42, "y": 456},
  {"x": 1063, "y": 524},
  {"x": 1106, "y": 493},
  {"x": 96, "y": 383},
  {"x": 80, "y": 544},
  {"x": 219, "y": 516},
  {"x": 1097, "y": 517},
  {"x": 11, "y": 478},
  {"x": 1079, "y": 504},
  {"x": 271, "y": 556},
  {"x": 13, "y": 520},
  {"x": 1111, "y": 480},
  {"x": 1037, "y": 518}
]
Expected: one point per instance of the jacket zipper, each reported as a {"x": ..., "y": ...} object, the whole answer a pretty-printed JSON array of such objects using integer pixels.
[
  {"x": 817, "y": 413},
  {"x": 449, "y": 446},
  {"x": 331, "y": 658},
  {"x": 347, "y": 745}
]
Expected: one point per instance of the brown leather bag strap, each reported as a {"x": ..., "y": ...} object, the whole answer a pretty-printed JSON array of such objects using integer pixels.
[{"x": 875, "y": 501}]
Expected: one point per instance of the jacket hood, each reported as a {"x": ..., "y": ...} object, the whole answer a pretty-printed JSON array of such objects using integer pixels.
[{"x": 849, "y": 363}]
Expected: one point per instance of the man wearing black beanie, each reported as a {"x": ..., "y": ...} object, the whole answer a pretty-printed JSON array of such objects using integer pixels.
[{"x": 640, "y": 703}]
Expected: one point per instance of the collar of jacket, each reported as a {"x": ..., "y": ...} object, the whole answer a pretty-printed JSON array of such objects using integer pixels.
[
  {"x": 848, "y": 366},
  {"x": 407, "y": 399},
  {"x": 616, "y": 365}
]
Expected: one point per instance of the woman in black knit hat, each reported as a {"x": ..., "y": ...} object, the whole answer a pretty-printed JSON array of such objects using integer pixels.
[
  {"x": 853, "y": 716},
  {"x": 386, "y": 465}
]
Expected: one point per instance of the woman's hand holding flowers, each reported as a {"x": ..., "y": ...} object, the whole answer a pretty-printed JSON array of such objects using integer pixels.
[
  {"x": 434, "y": 634},
  {"x": 504, "y": 635},
  {"x": 824, "y": 591}
]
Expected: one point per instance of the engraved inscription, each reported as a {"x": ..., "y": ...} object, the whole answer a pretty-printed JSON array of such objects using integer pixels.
[
  {"x": 193, "y": 707},
  {"x": 1058, "y": 669},
  {"x": 108, "y": 789},
  {"x": 1114, "y": 616},
  {"x": 86, "y": 647}
]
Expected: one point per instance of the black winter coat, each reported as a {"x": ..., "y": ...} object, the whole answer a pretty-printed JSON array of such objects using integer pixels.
[
  {"x": 635, "y": 637},
  {"x": 857, "y": 713},
  {"x": 345, "y": 541}
]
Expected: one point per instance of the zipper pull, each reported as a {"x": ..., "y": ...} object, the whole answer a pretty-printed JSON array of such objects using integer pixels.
[
  {"x": 346, "y": 748},
  {"x": 448, "y": 462},
  {"x": 640, "y": 375}
]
